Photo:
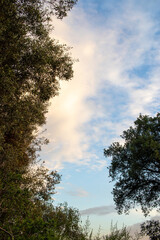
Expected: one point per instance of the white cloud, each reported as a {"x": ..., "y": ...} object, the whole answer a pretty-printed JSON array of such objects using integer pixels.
[
  {"x": 78, "y": 193},
  {"x": 102, "y": 210},
  {"x": 89, "y": 111}
]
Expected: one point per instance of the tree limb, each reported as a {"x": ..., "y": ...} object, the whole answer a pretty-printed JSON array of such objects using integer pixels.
[{"x": 11, "y": 236}]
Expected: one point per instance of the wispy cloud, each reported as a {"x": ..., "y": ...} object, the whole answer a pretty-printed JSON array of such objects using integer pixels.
[
  {"x": 110, "y": 86},
  {"x": 102, "y": 210},
  {"x": 78, "y": 193}
]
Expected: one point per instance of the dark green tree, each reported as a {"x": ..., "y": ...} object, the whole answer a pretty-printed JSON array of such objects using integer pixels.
[
  {"x": 135, "y": 166},
  {"x": 31, "y": 66}
]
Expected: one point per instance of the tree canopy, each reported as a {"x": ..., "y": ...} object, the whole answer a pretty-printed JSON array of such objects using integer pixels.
[
  {"x": 31, "y": 67},
  {"x": 135, "y": 166}
]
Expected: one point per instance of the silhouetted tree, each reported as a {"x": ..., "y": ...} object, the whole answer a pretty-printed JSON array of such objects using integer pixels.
[{"x": 135, "y": 166}]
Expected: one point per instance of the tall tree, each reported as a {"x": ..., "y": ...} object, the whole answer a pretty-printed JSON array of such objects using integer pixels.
[
  {"x": 135, "y": 166},
  {"x": 31, "y": 66}
]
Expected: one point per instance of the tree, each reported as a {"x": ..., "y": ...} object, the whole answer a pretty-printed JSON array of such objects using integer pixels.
[
  {"x": 31, "y": 67},
  {"x": 135, "y": 166}
]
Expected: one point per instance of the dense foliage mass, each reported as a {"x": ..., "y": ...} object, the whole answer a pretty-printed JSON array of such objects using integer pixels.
[
  {"x": 135, "y": 165},
  {"x": 31, "y": 66}
]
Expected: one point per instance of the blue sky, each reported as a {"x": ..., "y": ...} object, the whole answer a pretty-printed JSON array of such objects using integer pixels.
[{"x": 116, "y": 78}]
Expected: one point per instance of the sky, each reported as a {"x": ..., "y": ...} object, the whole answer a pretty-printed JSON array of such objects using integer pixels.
[{"x": 116, "y": 47}]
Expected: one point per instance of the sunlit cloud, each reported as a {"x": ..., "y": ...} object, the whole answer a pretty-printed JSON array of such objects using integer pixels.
[{"x": 110, "y": 86}]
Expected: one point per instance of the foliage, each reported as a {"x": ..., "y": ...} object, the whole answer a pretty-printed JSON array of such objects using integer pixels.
[
  {"x": 24, "y": 199},
  {"x": 41, "y": 183},
  {"x": 67, "y": 222},
  {"x": 135, "y": 165},
  {"x": 31, "y": 66},
  {"x": 151, "y": 229}
]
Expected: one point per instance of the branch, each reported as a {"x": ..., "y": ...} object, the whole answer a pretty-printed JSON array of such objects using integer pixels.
[
  {"x": 11, "y": 236},
  {"x": 152, "y": 170}
]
